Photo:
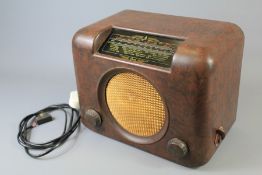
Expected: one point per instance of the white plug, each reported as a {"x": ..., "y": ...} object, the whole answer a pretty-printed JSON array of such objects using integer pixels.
[{"x": 73, "y": 100}]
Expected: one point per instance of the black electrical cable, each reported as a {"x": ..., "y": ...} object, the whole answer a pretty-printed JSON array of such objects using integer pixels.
[{"x": 41, "y": 117}]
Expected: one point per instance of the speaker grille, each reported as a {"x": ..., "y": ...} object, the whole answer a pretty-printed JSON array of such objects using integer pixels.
[{"x": 135, "y": 104}]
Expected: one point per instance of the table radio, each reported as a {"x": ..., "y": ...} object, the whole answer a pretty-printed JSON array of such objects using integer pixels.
[{"x": 165, "y": 84}]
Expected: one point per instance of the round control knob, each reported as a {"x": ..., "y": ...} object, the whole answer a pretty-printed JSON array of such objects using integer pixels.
[
  {"x": 177, "y": 147},
  {"x": 93, "y": 117}
]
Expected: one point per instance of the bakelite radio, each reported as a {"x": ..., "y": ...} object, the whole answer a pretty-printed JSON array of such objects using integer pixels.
[{"x": 167, "y": 85}]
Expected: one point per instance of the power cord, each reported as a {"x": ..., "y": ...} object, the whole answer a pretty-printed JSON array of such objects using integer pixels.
[{"x": 41, "y": 117}]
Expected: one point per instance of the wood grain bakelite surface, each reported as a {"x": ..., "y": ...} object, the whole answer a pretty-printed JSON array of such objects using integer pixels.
[{"x": 199, "y": 89}]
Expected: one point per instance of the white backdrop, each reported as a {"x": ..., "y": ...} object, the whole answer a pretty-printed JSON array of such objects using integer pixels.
[{"x": 36, "y": 69}]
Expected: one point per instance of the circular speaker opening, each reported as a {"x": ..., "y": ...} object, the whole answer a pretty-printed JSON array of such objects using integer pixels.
[{"x": 135, "y": 104}]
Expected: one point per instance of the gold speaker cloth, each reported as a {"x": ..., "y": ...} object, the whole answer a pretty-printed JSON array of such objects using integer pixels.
[{"x": 135, "y": 104}]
